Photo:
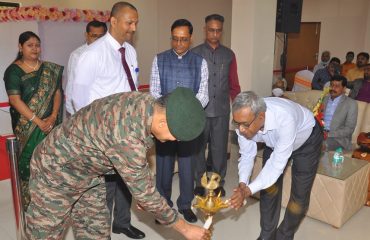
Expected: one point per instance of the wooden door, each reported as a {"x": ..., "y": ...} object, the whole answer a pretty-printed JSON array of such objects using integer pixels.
[{"x": 302, "y": 50}]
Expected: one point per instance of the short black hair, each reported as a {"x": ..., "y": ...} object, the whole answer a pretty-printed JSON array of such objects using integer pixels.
[
  {"x": 335, "y": 59},
  {"x": 162, "y": 101},
  {"x": 340, "y": 78},
  {"x": 364, "y": 54},
  {"x": 96, "y": 24},
  {"x": 216, "y": 17},
  {"x": 118, "y": 6},
  {"x": 182, "y": 23},
  {"x": 350, "y": 52}
]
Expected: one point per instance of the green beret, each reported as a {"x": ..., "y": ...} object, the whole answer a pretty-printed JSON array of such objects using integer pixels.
[{"x": 185, "y": 115}]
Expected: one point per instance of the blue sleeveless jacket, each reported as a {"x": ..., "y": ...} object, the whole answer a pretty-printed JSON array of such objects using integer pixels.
[{"x": 175, "y": 72}]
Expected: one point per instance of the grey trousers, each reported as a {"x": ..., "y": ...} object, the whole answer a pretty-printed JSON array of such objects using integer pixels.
[
  {"x": 305, "y": 163},
  {"x": 118, "y": 193},
  {"x": 215, "y": 134}
]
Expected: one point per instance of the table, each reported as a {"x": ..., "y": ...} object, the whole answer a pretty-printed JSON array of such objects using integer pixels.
[
  {"x": 365, "y": 157},
  {"x": 337, "y": 194}
]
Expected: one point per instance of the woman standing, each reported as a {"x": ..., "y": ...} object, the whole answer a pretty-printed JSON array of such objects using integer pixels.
[{"x": 35, "y": 95}]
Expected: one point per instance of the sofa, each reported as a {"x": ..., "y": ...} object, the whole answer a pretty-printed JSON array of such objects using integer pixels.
[
  {"x": 329, "y": 200},
  {"x": 310, "y": 98}
]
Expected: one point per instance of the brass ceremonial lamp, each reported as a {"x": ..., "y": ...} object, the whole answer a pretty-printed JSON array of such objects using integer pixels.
[{"x": 211, "y": 203}]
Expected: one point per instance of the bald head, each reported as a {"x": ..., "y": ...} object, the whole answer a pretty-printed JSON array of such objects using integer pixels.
[
  {"x": 123, "y": 22},
  {"x": 116, "y": 9}
]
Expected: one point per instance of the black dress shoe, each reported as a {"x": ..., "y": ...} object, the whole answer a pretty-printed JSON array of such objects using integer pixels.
[
  {"x": 200, "y": 191},
  {"x": 188, "y": 215},
  {"x": 220, "y": 189},
  {"x": 131, "y": 232}
]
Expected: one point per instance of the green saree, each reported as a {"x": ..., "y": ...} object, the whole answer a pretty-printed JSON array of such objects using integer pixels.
[{"x": 36, "y": 90}]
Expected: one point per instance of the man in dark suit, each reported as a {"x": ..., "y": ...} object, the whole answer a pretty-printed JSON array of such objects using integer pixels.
[{"x": 340, "y": 115}]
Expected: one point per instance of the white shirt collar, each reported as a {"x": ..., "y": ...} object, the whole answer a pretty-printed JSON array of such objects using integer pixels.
[
  {"x": 114, "y": 42},
  {"x": 270, "y": 123},
  {"x": 180, "y": 56}
]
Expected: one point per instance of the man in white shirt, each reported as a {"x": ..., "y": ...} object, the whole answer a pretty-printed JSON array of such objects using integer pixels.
[
  {"x": 106, "y": 67},
  {"x": 94, "y": 30},
  {"x": 289, "y": 132}
]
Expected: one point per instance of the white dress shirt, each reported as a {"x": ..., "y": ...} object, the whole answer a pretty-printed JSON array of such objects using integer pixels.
[
  {"x": 72, "y": 62},
  {"x": 99, "y": 71},
  {"x": 287, "y": 126}
]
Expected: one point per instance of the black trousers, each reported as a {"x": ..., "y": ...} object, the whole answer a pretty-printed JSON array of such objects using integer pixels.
[
  {"x": 165, "y": 164},
  {"x": 118, "y": 193},
  {"x": 305, "y": 163},
  {"x": 215, "y": 134}
]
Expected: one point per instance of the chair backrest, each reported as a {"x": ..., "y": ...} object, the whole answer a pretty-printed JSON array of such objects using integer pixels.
[
  {"x": 307, "y": 99},
  {"x": 361, "y": 119},
  {"x": 302, "y": 81}
]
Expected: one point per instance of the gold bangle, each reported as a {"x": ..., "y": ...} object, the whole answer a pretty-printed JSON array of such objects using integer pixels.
[{"x": 33, "y": 117}]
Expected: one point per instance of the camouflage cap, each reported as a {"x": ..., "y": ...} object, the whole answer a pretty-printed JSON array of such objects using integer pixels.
[{"x": 185, "y": 115}]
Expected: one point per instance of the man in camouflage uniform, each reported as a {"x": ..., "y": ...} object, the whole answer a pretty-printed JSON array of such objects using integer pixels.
[{"x": 68, "y": 167}]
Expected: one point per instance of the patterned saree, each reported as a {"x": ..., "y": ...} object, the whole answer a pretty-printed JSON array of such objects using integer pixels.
[{"x": 37, "y": 91}]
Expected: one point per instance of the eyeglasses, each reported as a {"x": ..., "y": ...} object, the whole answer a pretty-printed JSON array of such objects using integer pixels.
[
  {"x": 181, "y": 39},
  {"x": 244, "y": 125},
  {"x": 214, "y": 30}
]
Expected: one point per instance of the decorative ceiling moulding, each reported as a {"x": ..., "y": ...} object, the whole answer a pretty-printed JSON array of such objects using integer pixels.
[{"x": 39, "y": 13}]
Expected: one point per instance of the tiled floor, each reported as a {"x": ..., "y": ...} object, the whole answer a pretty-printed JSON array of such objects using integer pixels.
[{"x": 229, "y": 224}]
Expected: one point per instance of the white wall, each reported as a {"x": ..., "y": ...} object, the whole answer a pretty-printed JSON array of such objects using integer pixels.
[
  {"x": 152, "y": 36},
  {"x": 345, "y": 24},
  {"x": 252, "y": 38},
  {"x": 367, "y": 28},
  {"x": 155, "y": 19},
  {"x": 8, "y": 52}
]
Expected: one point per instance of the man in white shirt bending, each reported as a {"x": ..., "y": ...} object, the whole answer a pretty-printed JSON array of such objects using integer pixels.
[
  {"x": 94, "y": 31},
  {"x": 106, "y": 67},
  {"x": 289, "y": 132}
]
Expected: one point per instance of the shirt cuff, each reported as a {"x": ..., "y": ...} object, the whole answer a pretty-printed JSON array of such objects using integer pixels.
[{"x": 255, "y": 187}]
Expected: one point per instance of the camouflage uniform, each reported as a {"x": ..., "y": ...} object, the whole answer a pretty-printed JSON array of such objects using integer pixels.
[{"x": 68, "y": 167}]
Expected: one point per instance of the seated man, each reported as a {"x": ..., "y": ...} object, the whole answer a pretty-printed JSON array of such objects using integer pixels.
[
  {"x": 348, "y": 64},
  {"x": 279, "y": 87},
  {"x": 324, "y": 75},
  {"x": 340, "y": 115},
  {"x": 358, "y": 71},
  {"x": 325, "y": 57},
  {"x": 361, "y": 87}
]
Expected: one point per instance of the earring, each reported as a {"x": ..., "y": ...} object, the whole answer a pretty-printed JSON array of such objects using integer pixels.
[{"x": 20, "y": 53}]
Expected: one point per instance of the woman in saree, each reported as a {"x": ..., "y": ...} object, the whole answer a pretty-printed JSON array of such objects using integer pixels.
[{"x": 35, "y": 96}]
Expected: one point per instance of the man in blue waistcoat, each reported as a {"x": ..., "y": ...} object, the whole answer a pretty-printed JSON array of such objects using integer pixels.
[{"x": 178, "y": 67}]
